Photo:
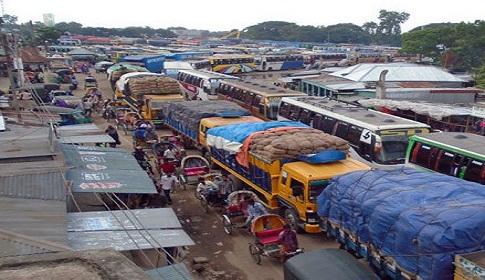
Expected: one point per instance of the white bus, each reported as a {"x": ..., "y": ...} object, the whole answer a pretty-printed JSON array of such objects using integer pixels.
[
  {"x": 375, "y": 138},
  {"x": 279, "y": 62},
  {"x": 201, "y": 84}
]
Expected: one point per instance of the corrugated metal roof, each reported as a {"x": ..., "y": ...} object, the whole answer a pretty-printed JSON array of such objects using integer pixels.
[
  {"x": 40, "y": 219},
  {"x": 82, "y": 139},
  {"x": 156, "y": 218},
  {"x": 105, "y": 170},
  {"x": 15, "y": 244},
  {"x": 46, "y": 185},
  {"x": 9, "y": 248},
  {"x": 126, "y": 230},
  {"x": 370, "y": 72},
  {"x": 28, "y": 142},
  {"x": 129, "y": 240}
]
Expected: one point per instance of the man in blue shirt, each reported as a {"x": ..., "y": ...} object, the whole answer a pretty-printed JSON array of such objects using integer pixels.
[{"x": 255, "y": 209}]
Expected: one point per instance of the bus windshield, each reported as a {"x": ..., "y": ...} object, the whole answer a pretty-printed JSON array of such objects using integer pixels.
[{"x": 393, "y": 150}]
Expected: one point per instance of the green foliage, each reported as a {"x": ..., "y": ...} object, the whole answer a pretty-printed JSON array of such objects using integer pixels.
[
  {"x": 457, "y": 47},
  {"x": 480, "y": 77}
]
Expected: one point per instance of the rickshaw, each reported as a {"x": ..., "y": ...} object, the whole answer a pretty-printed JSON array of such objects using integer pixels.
[
  {"x": 160, "y": 147},
  {"x": 211, "y": 196},
  {"x": 90, "y": 81},
  {"x": 233, "y": 216},
  {"x": 191, "y": 168},
  {"x": 266, "y": 230},
  {"x": 126, "y": 118}
]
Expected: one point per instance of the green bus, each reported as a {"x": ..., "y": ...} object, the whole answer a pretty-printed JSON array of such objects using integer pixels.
[{"x": 455, "y": 154}]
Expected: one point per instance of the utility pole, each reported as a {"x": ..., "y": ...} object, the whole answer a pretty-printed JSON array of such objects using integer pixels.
[{"x": 8, "y": 62}]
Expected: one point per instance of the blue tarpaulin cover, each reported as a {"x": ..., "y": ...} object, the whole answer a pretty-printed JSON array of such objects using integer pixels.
[
  {"x": 231, "y": 137},
  {"x": 420, "y": 220}
]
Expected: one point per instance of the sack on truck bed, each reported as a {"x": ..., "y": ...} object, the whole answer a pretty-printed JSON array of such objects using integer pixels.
[{"x": 274, "y": 140}]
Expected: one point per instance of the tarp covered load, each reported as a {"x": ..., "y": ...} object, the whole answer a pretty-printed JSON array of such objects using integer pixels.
[
  {"x": 186, "y": 115},
  {"x": 153, "y": 85},
  {"x": 417, "y": 220},
  {"x": 273, "y": 140},
  {"x": 231, "y": 137}
]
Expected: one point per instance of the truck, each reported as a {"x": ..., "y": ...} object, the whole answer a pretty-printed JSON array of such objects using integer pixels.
[
  {"x": 286, "y": 163},
  {"x": 408, "y": 224},
  {"x": 191, "y": 119},
  {"x": 147, "y": 92},
  {"x": 152, "y": 62}
]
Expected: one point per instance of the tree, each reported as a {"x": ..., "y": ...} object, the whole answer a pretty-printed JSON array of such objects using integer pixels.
[
  {"x": 389, "y": 28},
  {"x": 480, "y": 77},
  {"x": 48, "y": 35},
  {"x": 347, "y": 33}
]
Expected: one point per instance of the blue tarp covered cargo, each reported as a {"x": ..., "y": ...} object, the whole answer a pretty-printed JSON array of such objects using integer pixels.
[
  {"x": 417, "y": 220},
  {"x": 231, "y": 137},
  {"x": 154, "y": 63}
]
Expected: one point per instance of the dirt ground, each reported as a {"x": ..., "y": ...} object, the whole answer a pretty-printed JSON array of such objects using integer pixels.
[
  {"x": 205, "y": 229},
  {"x": 218, "y": 255}
]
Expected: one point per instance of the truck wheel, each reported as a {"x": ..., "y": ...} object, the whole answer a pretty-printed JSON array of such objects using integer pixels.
[{"x": 292, "y": 219}]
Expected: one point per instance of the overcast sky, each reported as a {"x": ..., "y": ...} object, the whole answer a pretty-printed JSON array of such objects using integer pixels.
[{"x": 225, "y": 15}]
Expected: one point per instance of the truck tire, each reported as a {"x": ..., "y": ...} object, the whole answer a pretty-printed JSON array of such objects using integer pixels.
[{"x": 292, "y": 218}]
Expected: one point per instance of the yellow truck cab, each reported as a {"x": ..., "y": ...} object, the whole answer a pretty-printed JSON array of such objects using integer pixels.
[
  {"x": 300, "y": 183},
  {"x": 152, "y": 106}
]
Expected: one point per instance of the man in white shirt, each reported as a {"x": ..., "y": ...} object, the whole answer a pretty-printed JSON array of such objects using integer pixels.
[
  {"x": 169, "y": 154},
  {"x": 168, "y": 183}
]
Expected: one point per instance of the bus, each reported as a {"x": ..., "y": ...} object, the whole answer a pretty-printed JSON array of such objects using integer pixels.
[
  {"x": 321, "y": 60},
  {"x": 279, "y": 62},
  {"x": 261, "y": 99},
  {"x": 201, "y": 84},
  {"x": 231, "y": 63},
  {"x": 377, "y": 139},
  {"x": 172, "y": 68},
  {"x": 456, "y": 154},
  {"x": 368, "y": 57}
]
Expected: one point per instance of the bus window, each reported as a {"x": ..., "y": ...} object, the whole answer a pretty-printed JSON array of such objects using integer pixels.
[
  {"x": 444, "y": 164},
  {"x": 341, "y": 130},
  {"x": 423, "y": 155},
  {"x": 256, "y": 100},
  {"x": 304, "y": 116},
  {"x": 317, "y": 121},
  {"x": 248, "y": 98},
  {"x": 327, "y": 125},
  {"x": 237, "y": 94},
  {"x": 474, "y": 171},
  {"x": 354, "y": 133},
  {"x": 284, "y": 109}
]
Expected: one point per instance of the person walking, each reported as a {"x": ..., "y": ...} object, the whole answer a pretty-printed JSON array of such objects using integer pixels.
[
  {"x": 288, "y": 241},
  {"x": 111, "y": 131},
  {"x": 167, "y": 184}
]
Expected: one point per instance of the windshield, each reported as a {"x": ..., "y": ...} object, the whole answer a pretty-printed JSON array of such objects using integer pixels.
[
  {"x": 316, "y": 187},
  {"x": 393, "y": 150}
]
